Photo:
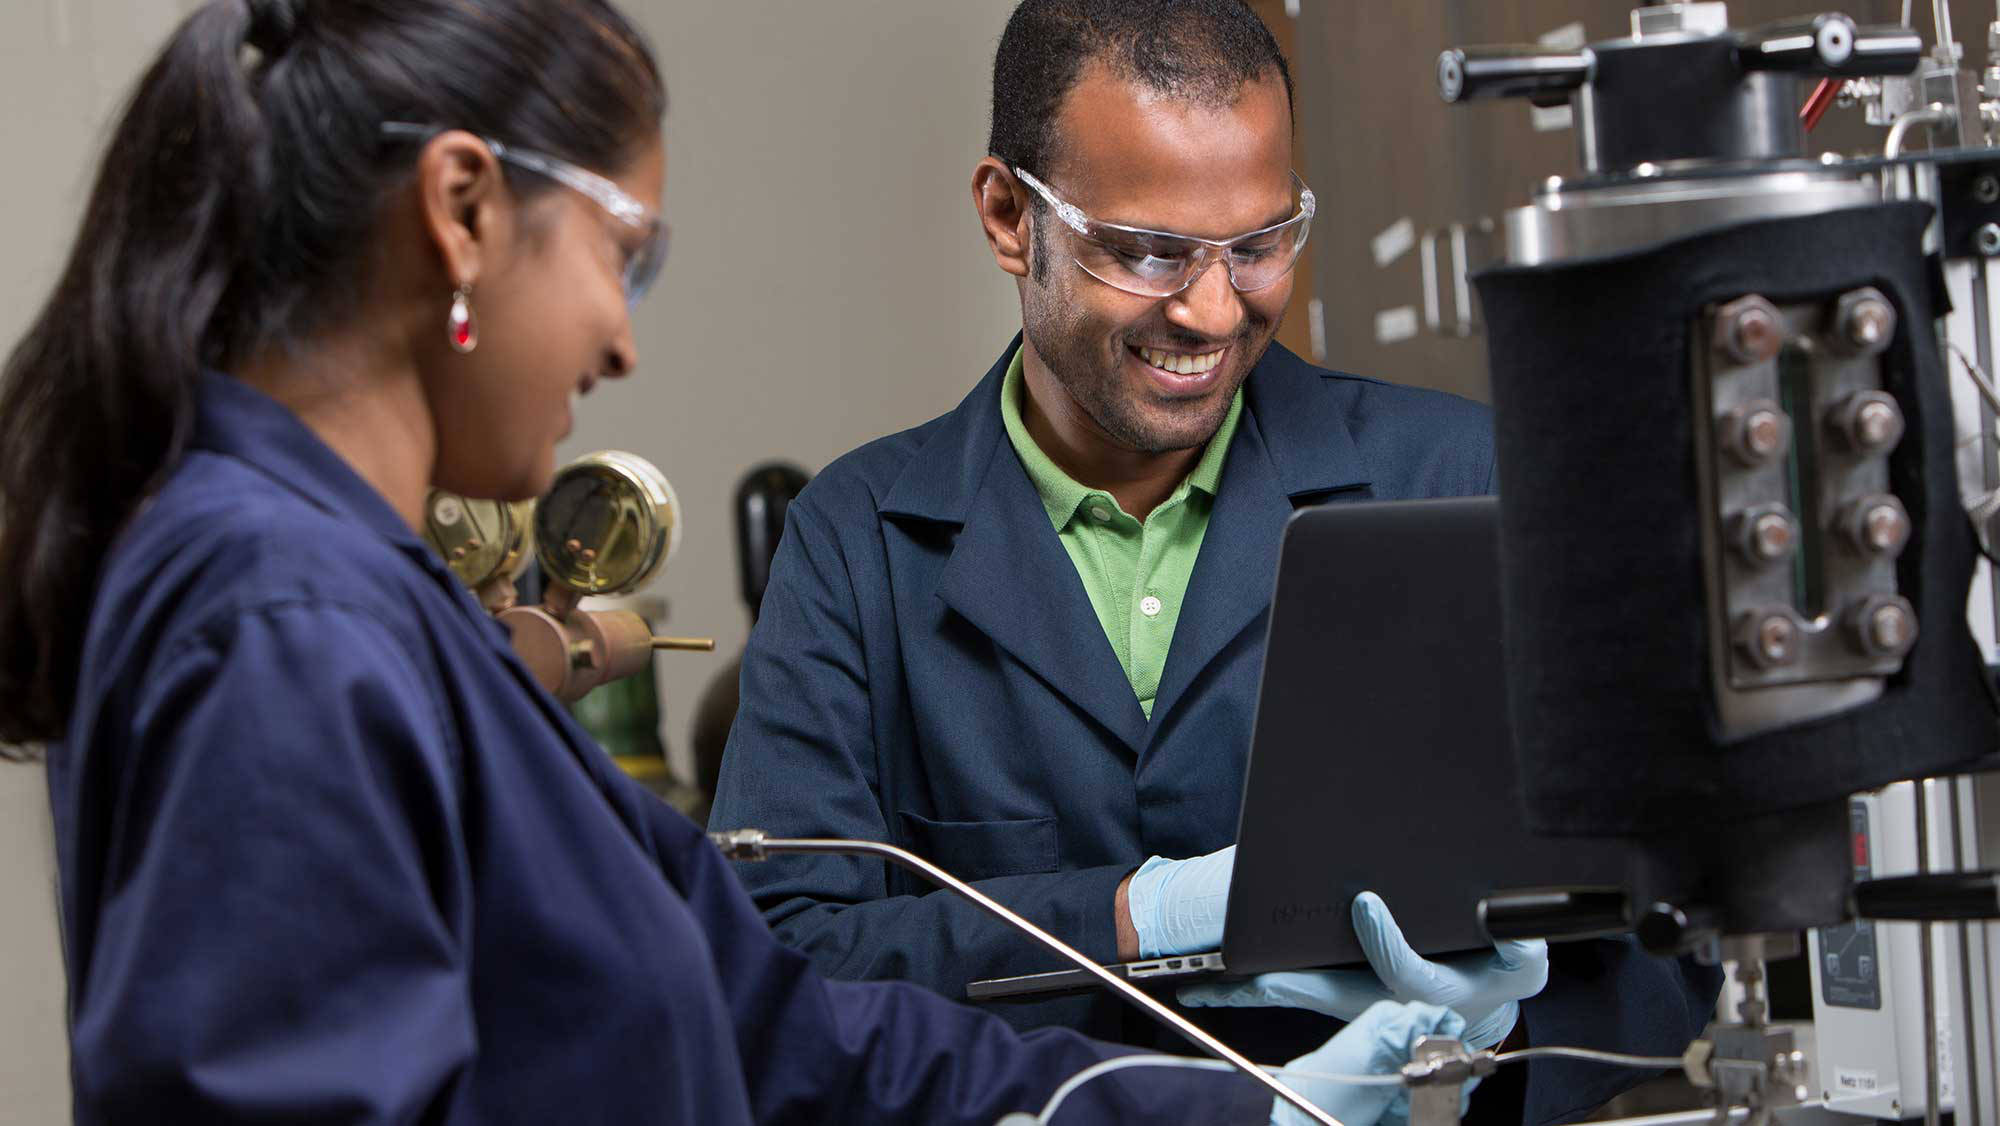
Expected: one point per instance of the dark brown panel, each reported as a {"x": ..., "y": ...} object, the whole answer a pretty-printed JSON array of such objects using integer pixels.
[{"x": 1295, "y": 332}]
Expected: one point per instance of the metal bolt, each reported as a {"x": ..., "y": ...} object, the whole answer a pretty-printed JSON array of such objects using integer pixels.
[
  {"x": 1869, "y": 421},
  {"x": 1877, "y": 424},
  {"x": 1748, "y": 330},
  {"x": 1766, "y": 534},
  {"x": 1865, "y": 321},
  {"x": 1885, "y": 527},
  {"x": 573, "y": 545},
  {"x": 1756, "y": 432},
  {"x": 1875, "y": 525},
  {"x": 1986, "y": 189},
  {"x": 458, "y": 552},
  {"x": 1987, "y": 238},
  {"x": 1767, "y": 639},
  {"x": 1771, "y": 536},
  {"x": 1883, "y": 626}
]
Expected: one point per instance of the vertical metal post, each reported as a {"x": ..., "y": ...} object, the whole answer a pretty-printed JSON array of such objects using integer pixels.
[
  {"x": 1926, "y": 970},
  {"x": 1968, "y": 1090}
]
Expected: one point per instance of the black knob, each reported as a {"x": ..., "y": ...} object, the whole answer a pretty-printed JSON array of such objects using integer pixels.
[
  {"x": 1830, "y": 44},
  {"x": 1669, "y": 931},
  {"x": 1536, "y": 73}
]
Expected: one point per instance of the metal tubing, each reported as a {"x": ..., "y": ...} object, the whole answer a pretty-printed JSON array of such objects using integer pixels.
[
  {"x": 1967, "y": 1090},
  {"x": 1926, "y": 971},
  {"x": 1933, "y": 114},
  {"x": 751, "y": 844}
]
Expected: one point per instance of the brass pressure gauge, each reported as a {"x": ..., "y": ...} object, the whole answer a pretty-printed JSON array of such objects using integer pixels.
[
  {"x": 482, "y": 541},
  {"x": 607, "y": 525}
]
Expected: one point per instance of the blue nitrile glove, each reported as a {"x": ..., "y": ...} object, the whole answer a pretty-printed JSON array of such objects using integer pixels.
[
  {"x": 1485, "y": 989},
  {"x": 1177, "y": 905},
  {"x": 1378, "y": 1042}
]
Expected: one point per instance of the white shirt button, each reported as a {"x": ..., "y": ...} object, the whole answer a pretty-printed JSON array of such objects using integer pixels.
[
  {"x": 1100, "y": 513},
  {"x": 1149, "y": 606}
]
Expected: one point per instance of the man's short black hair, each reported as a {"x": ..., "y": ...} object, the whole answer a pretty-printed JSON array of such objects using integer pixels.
[{"x": 1197, "y": 50}]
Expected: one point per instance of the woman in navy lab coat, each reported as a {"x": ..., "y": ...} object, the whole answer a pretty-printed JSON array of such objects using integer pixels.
[{"x": 327, "y": 853}]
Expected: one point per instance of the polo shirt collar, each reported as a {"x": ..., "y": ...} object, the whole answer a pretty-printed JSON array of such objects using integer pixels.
[{"x": 1062, "y": 494}]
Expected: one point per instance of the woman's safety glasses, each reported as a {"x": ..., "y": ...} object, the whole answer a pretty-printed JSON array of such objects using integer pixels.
[
  {"x": 1159, "y": 264},
  {"x": 642, "y": 263}
]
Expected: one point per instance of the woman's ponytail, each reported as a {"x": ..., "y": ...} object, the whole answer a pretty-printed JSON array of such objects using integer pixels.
[{"x": 97, "y": 399}]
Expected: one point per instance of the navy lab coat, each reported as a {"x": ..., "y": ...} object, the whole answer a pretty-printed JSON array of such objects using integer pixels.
[
  {"x": 927, "y": 670},
  {"x": 328, "y": 854}
]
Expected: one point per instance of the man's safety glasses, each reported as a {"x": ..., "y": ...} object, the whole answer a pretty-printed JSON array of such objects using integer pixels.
[
  {"x": 1159, "y": 264},
  {"x": 642, "y": 264}
]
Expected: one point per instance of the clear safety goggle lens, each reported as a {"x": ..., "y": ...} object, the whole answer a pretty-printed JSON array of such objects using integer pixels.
[
  {"x": 1161, "y": 264},
  {"x": 643, "y": 268},
  {"x": 1162, "y": 267}
]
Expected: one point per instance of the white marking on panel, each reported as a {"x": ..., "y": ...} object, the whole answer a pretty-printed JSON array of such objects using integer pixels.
[
  {"x": 1853, "y": 1081},
  {"x": 1394, "y": 241},
  {"x": 1393, "y": 325}
]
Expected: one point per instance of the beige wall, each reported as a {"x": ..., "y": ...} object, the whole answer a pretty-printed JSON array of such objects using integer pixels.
[
  {"x": 828, "y": 285},
  {"x": 828, "y": 282}
]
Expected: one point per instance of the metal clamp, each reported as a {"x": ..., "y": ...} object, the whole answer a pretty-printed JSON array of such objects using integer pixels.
[{"x": 1436, "y": 1075}]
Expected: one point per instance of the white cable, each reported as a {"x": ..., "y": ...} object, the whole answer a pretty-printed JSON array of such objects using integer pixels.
[
  {"x": 1590, "y": 1054},
  {"x": 1119, "y": 1063},
  {"x": 1105, "y": 1067}
]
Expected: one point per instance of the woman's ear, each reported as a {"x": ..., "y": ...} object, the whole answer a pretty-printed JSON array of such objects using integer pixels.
[{"x": 463, "y": 201}]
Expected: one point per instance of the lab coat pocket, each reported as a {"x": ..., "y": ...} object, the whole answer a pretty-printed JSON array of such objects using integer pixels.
[{"x": 974, "y": 850}]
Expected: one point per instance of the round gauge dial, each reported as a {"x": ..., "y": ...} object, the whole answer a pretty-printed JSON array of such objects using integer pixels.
[
  {"x": 608, "y": 524},
  {"x": 480, "y": 540}
]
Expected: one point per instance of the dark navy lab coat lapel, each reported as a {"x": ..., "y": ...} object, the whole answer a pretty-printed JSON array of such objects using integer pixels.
[
  {"x": 1288, "y": 451},
  {"x": 1008, "y": 574}
]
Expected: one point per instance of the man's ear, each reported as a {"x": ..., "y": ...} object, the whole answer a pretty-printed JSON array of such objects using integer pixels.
[
  {"x": 464, "y": 203},
  {"x": 1002, "y": 203}
]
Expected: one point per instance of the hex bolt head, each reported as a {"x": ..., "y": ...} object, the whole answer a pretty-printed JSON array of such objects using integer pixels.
[
  {"x": 1765, "y": 535},
  {"x": 1768, "y": 639},
  {"x": 1756, "y": 432},
  {"x": 1748, "y": 330},
  {"x": 1868, "y": 422},
  {"x": 1884, "y": 625},
  {"x": 1864, "y": 321},
  {"x": 1876, "y": 525},
  {"x": 1987, "y": 239}
]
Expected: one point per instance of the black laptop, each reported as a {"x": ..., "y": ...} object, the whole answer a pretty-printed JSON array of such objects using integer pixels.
[{"x": 1380, "y": 757}]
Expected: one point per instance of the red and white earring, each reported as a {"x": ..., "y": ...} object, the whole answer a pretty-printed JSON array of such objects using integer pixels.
[{"x": 462, "y": 327}]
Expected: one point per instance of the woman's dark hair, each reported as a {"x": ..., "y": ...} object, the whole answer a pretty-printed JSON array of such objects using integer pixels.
[{"x": 230, "y": 215}]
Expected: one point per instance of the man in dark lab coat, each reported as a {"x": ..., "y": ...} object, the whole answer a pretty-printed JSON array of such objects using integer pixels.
[{"x": 1024, "y": 638}]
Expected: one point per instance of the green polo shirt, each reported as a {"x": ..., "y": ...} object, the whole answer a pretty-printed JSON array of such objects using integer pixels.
[{"x": 1136, "y": 573}]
